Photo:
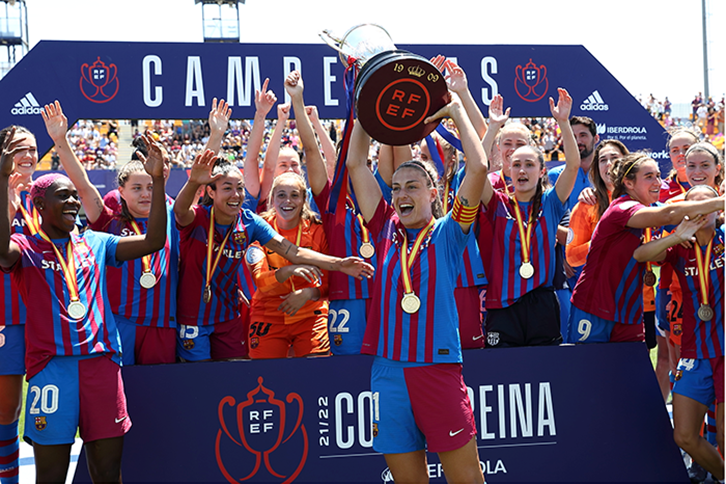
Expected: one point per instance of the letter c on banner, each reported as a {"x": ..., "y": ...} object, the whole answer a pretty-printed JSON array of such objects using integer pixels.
[{"x": 155, "y": 101}]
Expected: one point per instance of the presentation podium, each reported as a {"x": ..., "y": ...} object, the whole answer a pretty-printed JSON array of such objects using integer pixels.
[{"x": 589, "y": 413}]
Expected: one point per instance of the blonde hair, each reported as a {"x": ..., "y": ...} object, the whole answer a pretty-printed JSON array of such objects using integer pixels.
[{"x": 293, "y": 178}]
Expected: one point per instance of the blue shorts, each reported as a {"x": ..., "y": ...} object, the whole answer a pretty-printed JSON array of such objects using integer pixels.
[
  {"x": 416, "y": 405},
  {"x": 698, "y": 378},
  {"x": 72, "y": 392},
  {"x": 662, "y": 298},
  {"x": 219, "y": 341},
  {"x": 12, "y": 349},
  {"x": 347, "y": 325},
  {"x": 584, "y": 327}
]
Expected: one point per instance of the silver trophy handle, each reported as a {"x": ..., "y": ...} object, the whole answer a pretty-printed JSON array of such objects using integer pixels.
[{"x": 333, "y": 42}]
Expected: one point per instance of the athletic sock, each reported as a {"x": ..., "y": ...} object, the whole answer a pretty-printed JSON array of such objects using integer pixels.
[{"x": 9, "y": 451}]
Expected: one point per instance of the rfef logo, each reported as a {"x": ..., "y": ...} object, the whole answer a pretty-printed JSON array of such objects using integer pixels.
[
  {"x": 259, "y": 424},
  {"x": 98, "y": 82},
  {"x": 531, "y": 82}
]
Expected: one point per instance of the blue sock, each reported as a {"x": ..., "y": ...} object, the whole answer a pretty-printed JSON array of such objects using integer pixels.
[{"x": 9, "y": 451}]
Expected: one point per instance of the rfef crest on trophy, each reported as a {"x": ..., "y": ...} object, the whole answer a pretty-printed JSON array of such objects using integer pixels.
[{"x": 395, "y": 89}]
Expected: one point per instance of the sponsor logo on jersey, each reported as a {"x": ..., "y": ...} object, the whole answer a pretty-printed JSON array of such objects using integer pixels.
[
  {"x": 594, "y": 102},
  {"x": 27, "y": 105}
]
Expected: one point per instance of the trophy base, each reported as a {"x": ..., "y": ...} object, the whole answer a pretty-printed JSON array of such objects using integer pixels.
[{"x": 395, "y": 92}]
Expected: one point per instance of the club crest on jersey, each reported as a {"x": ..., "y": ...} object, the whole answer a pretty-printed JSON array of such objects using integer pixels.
[
  {"x": 718, "y": 250},
  {"x": 239, "y": 237},
  {"x": 40, "y": 423},
  {"x": 188, "y": 344},
  {"x": 254, "y": 342},
  {"x": 677, "y": 329},
  {"x": 338, "y": 339},
  {"x": 679, "y": 375},
  {"x": 375, "y": 429},
  {"x": 492, "y": 338}
]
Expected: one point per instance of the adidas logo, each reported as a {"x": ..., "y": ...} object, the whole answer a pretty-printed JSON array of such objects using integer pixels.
[
  {"x": 27, "y": 105},
  {"x": 594, "y": 103}
]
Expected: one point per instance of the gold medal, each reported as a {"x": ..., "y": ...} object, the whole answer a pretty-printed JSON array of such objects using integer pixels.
[
  {"x": 705, "y": 312},
  {"x": 649, "y": 279},
  {"x": 77, "y": 310},
  {"x": 147, "y": 280},
  {"x": 410, "y": 303},
  {"x": 207, "y": 294},
  {"x": 526, "y": 270},
  {"x": 366, "y": 250}
]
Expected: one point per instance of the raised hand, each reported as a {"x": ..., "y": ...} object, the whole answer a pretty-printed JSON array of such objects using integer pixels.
[
  {"x": 264, "y": 99},
  {"x": 456, "y": 77},
  {"x": 283, "y": 112},
  {"x": 294, "y": 84},
  {"x": 9, "y": 150},
  {"x": 454, "y": 104},
  {"x": 201, "y": 170},
  {"x": 312, "y": 112},
  {"x": 587, "y": 196},
  {"x": 687, "y": 229},
  {"x": 356, "y": 267},
  {"x": 561, "y": 112},
  {"x": 219, "y": 115},
  {"x": 497, "y": 115},
  {"x": 55, "y": 121},
  {"x": 154, "y": 162},
  {"x": 439, "y": 62}
]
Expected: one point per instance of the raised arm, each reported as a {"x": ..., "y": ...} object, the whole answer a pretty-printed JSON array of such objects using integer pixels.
[
  {"x": 457, "y": 82},
  {"x": 674, "y": 213},
  {"x": 199, "y": 174},
  {"x": 57, "y": 126},
  {"x": 326, "y": 144},
  {"x": 364, "y": 183},
  {"x": 9, "y": 250},
  {"x": 561, "y": 112},
  {"x": 153, "y": 240},
  {"x": 317, "y": 174},
  {"x": 219, "y": 117},
  {"x": 497, "y": 118},
  {"x": 476, "y": 160},
  {"x": 655, "y": 250},
  {"x": 264, "y": 100},
  {"x": 273, "y": 151}
]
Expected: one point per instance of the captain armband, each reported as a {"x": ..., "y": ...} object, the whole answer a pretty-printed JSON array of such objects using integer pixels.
[{"x": 464, "y": 215}]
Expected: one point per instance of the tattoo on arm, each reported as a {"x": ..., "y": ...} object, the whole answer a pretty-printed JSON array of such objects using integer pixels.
[{"x": 464, "y": 201}]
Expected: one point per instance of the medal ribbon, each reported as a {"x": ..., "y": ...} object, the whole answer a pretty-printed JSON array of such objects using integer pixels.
[
  {"x": 525, "y": 236},
  {"x": 210, "y": 248},
  {"x": 365, "y": 234},
  {"x": 647, "y": 238},
  {"x": 298, "y": 239},
  {"x": 703, "y": 261},
  {"x": 146, "y": 260},
  {"x": 68, "y": 268},
  {"x": 33, "y": 222},
  {"x": 407, "y": 259}
]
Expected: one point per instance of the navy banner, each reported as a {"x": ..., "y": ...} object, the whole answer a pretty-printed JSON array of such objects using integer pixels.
[
  {"x": 123, "y": 80},
  {"x": 588, "y": 413}
]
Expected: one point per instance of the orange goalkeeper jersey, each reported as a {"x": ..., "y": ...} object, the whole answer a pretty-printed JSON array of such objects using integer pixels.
[{"x": 263, "y": 264}]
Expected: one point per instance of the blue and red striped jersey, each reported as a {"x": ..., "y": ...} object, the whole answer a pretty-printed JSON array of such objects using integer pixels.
[
  {"x": 430, "y": 335},
  {"x": 147, "y": 307},
  {"x": 502, "y": 263},
  {"x": 224, "y": 305},
  {"x": 39, "y": 278},
  {"x": 701, "y": 339},
  {"x": 13, "y": 307}
]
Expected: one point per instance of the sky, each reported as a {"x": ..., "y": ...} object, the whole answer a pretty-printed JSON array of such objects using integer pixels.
[{"x": 650, "y": 46}]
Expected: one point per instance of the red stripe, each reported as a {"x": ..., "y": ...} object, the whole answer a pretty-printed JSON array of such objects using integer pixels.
[{"x": 9, "y": 458}]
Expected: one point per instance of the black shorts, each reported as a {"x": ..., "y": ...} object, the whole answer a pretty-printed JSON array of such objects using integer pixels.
[
  {"x": 534, "y": 320},
  {"x": 649, "y": 323}
]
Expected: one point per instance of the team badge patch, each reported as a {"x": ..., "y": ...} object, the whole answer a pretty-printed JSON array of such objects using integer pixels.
[
  {"x": 338, "y": 340},
  {"x": 188, "y": 344},
  {"x": 375, "y": 430},
  {"x": 677, "y": 329},
  {"x": 492, "y": 338},
  {"x": 239, "y": 237},
  {"x": 254, "y": 342},
  {"x": 254, "y": 255},
  {"x": 40, "y": 423},
  {"x": 679, "y": 375}
]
